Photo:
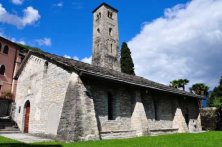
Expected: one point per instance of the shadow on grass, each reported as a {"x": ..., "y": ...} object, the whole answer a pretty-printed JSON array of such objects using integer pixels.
[{"x": 26, "y": 145}]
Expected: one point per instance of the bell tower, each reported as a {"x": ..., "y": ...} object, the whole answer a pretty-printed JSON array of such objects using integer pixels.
[{"x": 106, "y": 37}]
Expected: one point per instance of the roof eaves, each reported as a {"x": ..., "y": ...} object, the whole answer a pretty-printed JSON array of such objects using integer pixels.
[{"x": 136, "y": 84}]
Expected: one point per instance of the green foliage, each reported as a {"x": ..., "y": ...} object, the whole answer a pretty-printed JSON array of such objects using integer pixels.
[
  {"x": 7, "y": 94},
  {"x": 180, "y": 83},
  {"x": 216, "y": 102},
  {"x": 26, "y": 48},
  {"x": 200, "y": 89},
  {"x": 216, "y": 95},
  {"x": 174, "y": 84},
  {"x": 126, "y": 60}
]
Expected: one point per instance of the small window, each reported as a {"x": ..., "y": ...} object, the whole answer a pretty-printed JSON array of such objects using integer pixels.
[
  {"x": 46, "y": 66},
  {"x": 110, "y": 14},
  {"x": 2, "y": 70},
  {"x": 19, "y": 109},
  {"x": 155, "y": 110},
  {"x": 110, "y": 107},
  {"x": 98, "y": 31},
  {"x": 110, "y": 32},
  {"x": 5, "y": 51},
  {"x": 98, "y": 15},
  {"x": 111, "y": 47}
]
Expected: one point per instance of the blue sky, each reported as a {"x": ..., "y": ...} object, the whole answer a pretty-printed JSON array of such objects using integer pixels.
[
  {"x": 169, "y": 39},
  {"x": 68, "y": 23}
]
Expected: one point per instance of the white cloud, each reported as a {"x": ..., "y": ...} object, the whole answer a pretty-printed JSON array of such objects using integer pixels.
[
  {"x": 17, "y": 2},
  {"x": 67, "y": 56},
  {"x": 185, "y": 43},
  {"x": 30, "y": 16},
  {"x": 86, "y": 59},
  {"x": 44, "y": 41},
  {"x": 60, "y": 4}
]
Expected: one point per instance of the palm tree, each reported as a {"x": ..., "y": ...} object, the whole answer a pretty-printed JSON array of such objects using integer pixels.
[
  {"x": 179, "y": 83},
  {"x": 200, "y": 89},
  {"x": 174, "y": 84},
  {"x": 182, "y": 83}
]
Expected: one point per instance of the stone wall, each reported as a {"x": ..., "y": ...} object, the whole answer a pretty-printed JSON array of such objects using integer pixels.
[
  {"x": 78, "y": 119},
  {"x": 209, "y": 118},
  {"x": 45, "y": 87},
  {"x": 190, "y": 107},
  {"x": 122, "y": 106},
  {"x": 162, "y": 117}
]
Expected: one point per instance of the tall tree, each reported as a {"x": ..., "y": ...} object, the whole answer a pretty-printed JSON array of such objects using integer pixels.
[
  {"x": 200, "y": 89},
  {"x": 180, "y": 83},
  {"x": 126, "y": 60},
  {"x": 174, "y": 84},
  {"x": 216, "y": 96}
]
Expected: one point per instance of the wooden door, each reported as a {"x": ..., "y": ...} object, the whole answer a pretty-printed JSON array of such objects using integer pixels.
[{"x": 27, "y": 112}]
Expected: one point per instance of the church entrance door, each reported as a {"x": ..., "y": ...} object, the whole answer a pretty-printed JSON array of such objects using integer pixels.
[{"x": 27, "y": 112}]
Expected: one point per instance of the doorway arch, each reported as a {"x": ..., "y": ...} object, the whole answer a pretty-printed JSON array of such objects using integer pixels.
[{"x": 27, "y": 114}]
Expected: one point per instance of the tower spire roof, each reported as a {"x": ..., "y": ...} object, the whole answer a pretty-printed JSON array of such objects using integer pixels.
[{"x": 107, "y": 5}]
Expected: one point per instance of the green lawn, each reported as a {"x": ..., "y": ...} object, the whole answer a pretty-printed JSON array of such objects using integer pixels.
[{"x": 213, "y": 139}]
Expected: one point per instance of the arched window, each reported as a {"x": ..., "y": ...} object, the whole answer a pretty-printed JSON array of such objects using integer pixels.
[
  {"x": 98, "y": 31},
  {"x": 110, "y": 32},
  {"x": 5, "y": 51},
  {"x": 0, "y": 47},
  {"x": 2, "y": 69},
  {"x": 110, "y": 107},
  {"x": 110, "y": 14},
  {"x": 98, "y": 15}
]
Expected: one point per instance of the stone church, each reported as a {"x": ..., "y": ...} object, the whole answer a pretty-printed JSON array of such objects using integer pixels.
[{"x": 71, "y": 100}]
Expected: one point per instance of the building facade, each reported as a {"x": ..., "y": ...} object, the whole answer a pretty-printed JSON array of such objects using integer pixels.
[
  {"x": 9, "y": 63},
  {"x": 71, "y": 100}
]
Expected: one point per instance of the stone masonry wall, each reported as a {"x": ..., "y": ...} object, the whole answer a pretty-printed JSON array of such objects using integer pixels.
[
  {"x": 165, "y": 110},
  {"x": 78, "y": 120},
  {"x": 190, "y": 107},
  {"x": 45, "y": 88},
  {"x": 209, "y": 118},
  {"x": 122, "y": 106}
]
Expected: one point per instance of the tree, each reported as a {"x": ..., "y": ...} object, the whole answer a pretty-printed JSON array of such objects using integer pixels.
[
  {"x": 200, "y": 89},
  {"x": 180, "y": 83},
  {"x": 215, "y": 99},
  {"x": 126, "y": 60},
  {"x": 174, "y": 84}
]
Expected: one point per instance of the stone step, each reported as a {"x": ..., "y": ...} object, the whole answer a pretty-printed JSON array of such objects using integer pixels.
[
  {"x": 7, "y": 130},
  {"x": 155, "y": 132},
  {"x": 118, "y": 134}
]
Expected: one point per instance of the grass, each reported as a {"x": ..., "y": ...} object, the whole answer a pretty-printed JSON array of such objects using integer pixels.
[{"x": 179, "y": 140}]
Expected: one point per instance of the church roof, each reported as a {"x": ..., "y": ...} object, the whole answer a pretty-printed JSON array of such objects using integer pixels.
[
  {"x": 105, "y": 4},
  {"x": 84, "y": 69}
]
